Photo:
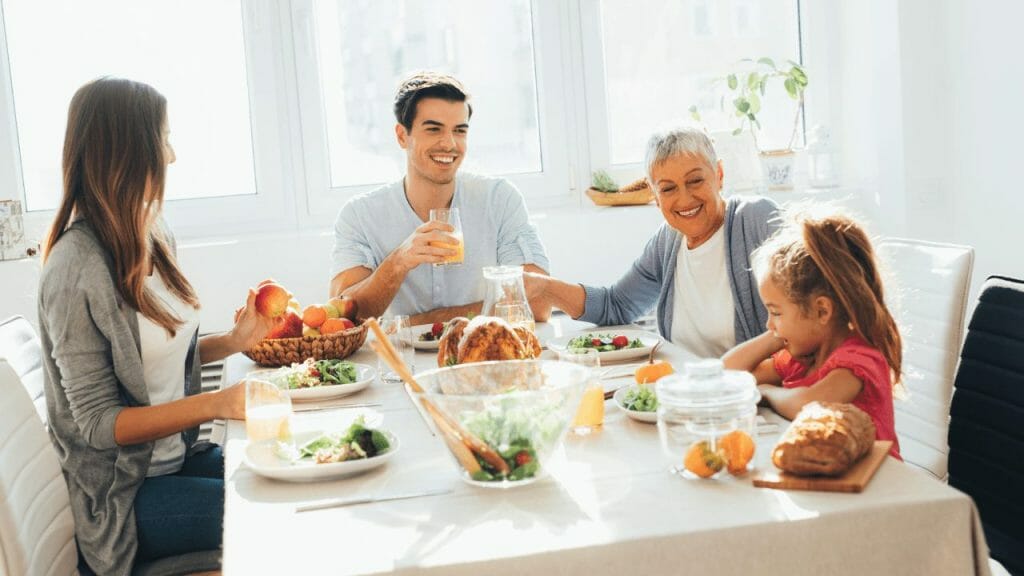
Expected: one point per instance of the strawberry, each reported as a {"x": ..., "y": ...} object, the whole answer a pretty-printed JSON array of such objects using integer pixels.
[
  {"x": 523, "y": 458},
  {"x": 437, "y": 329},
  {"x": 620, "y": 341}
]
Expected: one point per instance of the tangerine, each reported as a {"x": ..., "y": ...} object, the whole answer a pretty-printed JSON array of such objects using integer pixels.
[
  {"x": 738, "y": 448},
  {"x": 703, "y": 461},
  {"x": 651, "y": 372}
]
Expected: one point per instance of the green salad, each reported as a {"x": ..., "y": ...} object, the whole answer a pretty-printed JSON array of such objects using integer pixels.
[
  {"x": 312, "y": 373},
  {"x": 514, "y": 432},
  {"x": 603, "y": 342},
  {"x": 641, "y": 399},
  {"x": 356, "y": 443}
]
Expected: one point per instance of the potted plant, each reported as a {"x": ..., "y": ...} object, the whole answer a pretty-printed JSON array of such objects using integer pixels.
[{"x": 746, "y": 90}]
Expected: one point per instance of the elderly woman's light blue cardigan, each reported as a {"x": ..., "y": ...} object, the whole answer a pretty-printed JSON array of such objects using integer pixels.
[{"x": 651, "y": 280}]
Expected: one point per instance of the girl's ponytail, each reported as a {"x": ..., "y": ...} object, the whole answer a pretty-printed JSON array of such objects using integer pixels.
[{"x": 842, "y": 252}]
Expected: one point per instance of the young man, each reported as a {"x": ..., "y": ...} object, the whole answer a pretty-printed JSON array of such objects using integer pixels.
[{"x": 383, "y": 255}]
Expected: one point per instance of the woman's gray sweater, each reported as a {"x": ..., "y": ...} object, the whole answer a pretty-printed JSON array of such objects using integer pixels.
[{"x": 93, "y": 369}]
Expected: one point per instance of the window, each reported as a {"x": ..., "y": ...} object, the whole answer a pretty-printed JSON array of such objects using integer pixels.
[
  {"x": 198, "y": 64},
  {"x": 661, "y": 56},
  {"x": 281, "y": 111},
  {"x": 364, "y": 49}
]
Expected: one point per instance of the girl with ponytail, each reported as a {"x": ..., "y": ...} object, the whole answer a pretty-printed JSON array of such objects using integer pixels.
[{"x": 830, "y": 336}]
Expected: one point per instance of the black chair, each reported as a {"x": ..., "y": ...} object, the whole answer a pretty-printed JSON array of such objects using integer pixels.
[{"x": 986, "y": 430}]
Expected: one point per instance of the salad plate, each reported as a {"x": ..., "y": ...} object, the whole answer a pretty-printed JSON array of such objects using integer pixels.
[
  {"x": 649, "y": 417},
  {"x": 638, "y": 343},
  {"x": 279, "y": 377},
  {"x": 419, "y": 335},
  {"x": 264, "y": 459}
]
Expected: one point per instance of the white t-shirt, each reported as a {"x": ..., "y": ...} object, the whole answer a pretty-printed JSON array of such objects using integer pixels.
[
  {"x": 703, "y": 313},
  {"x": 163, "y": 366}
]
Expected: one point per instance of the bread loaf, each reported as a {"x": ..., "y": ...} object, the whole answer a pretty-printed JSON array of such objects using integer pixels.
[{"x": 825, "y": 438}]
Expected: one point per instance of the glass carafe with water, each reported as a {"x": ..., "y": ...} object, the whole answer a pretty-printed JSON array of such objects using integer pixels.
[{"x": 505, "y": 296}]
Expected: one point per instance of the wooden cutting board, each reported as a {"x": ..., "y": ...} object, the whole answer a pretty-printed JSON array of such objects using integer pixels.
[{"x": 854, "y": 480}]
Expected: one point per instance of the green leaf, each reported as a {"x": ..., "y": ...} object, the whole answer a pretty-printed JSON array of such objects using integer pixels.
[
  {"x": 767, "y": 62},
  {"x": 791, "y": 87},
  {"x": 737, "y": 131},
  {"x": 694, "y": 113},
  {"x": 741, "y": 104},
  {"x": 764, "y": 83},
  {"x": 752, "y": 80},
  {"x": 755, "y": 103},
  {"x": 731, "y": 79},
  {"x": 798, "y": 75}
]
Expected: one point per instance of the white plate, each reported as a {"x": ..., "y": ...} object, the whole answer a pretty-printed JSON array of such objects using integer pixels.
[
  {"x": 261, "y": 457},
  {"x": 422, "y": 344},
  {"x": 620, "y": 401},
  {"x": 648, "y": 339},
  {"x": 364, "y": 376}
]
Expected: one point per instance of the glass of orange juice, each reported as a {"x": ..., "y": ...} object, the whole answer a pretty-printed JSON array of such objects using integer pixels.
[
  {"x": 268, "y": 412},
  {"x": 450, "y": 216},
  {"x": 590, "y": 414}
]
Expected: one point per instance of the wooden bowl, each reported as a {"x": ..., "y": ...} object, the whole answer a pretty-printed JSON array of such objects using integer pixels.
[
  {"x": 285, "y": 351},
  {"x": 632, "y": 198}
]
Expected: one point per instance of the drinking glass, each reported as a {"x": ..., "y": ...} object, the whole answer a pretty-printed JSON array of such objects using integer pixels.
[
  {"x": 590, "y": 414},
  {"x": 450, "y": 216},
  {"x": 268, "y": 412},
  {"x": 399, "y": 332}
]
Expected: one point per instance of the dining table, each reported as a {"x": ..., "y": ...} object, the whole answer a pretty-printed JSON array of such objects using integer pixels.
[{"x": 610, "y": 504}]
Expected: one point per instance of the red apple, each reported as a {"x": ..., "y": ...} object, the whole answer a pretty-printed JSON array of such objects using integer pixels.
[
  {"x": 272, "y": 300},
  {"x": 290, "y": 326},
  {"x": 347, "y": 323}
]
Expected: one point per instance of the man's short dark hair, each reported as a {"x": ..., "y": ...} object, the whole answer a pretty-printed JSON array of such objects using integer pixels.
[{"x": 427, "y": 85}]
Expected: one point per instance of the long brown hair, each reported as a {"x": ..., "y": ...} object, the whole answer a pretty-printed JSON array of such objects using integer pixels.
[
  {"x": 114, "y": 166},
  {"x": 832, "y": 256}
]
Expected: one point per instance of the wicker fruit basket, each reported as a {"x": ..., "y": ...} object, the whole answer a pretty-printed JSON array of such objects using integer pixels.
[
  {"x": 636, "y": 193},
  {"x": 285, "y": 351}
]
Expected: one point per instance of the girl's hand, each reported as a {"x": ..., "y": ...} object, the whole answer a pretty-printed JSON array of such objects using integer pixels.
[
  {"x": 250, "y": 326},
  {"x": 229, "y": 403}
]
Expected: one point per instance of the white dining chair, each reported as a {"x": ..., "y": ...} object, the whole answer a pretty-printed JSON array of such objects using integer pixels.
[
  {"x": 927, "y": 287},
  {"x": 37, "y": 531},
  {"x": 20, "y": 345}
]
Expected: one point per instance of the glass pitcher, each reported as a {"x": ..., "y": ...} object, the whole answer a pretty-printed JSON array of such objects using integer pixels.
[{"x": 505, "y": 296}]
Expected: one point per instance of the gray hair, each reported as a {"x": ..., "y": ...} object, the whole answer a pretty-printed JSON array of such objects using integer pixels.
[{"x": 676, "y": 141}]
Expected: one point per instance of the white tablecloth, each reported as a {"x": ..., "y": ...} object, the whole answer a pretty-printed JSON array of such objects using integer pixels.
[{"x": 609, "y": 507}]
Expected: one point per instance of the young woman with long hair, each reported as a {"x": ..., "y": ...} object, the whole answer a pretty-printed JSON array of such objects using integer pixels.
[{"x": 119, "y": 326}]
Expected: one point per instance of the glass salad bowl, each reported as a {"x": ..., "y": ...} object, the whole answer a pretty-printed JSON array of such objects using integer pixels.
[{"x": 519, "y": 409}]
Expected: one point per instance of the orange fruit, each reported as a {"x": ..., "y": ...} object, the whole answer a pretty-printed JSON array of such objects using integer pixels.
[
  {"x": 314, "y": 316},
  {"x": 738, "y": 448},
  {"x": 703, "y": 461},
  {"x": 332, "y": 325},
  {"x": 650, "y": 372}
]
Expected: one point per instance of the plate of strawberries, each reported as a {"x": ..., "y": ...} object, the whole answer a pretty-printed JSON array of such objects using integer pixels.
[{"x": 427, "y": 336}]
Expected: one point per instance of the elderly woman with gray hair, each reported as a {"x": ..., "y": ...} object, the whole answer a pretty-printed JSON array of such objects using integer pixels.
[{"x": 696, "y": 268}]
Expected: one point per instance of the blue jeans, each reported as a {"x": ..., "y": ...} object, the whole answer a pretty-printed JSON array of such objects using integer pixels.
[{"x": 182, "y": 512}]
